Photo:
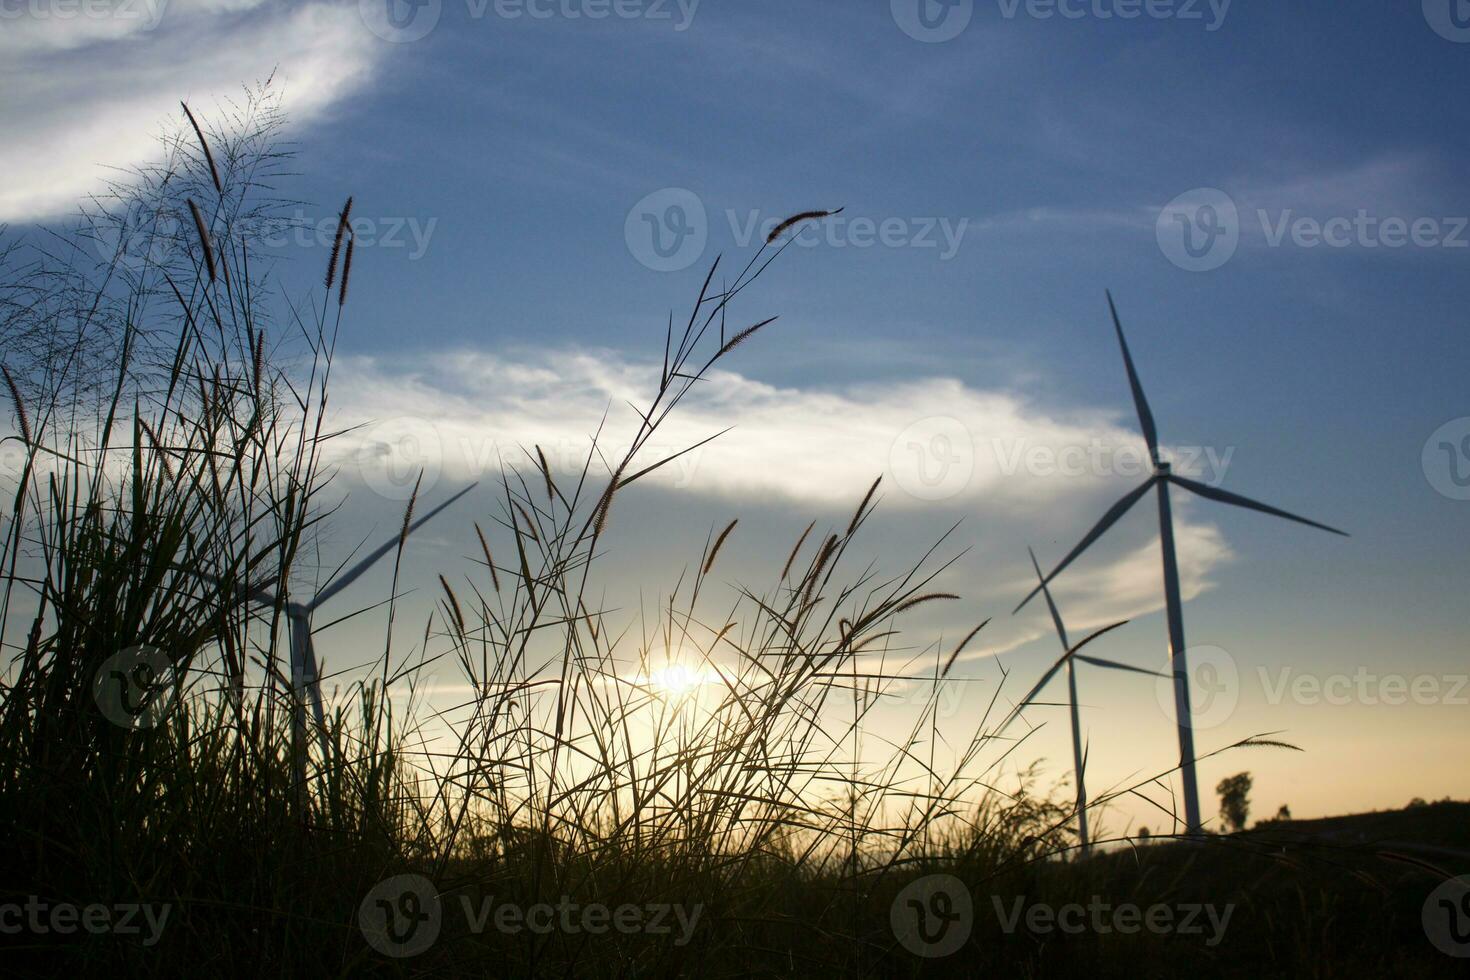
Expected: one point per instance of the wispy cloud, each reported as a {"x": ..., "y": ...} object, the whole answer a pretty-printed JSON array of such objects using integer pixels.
[
  {"x": 1402, "y": 184},
  {"x": 935, "y": 438},
  {"x": 88, "y": 92},
  {"x": 1023, "y": 475},
  {"x": 1396, "y": 183}
]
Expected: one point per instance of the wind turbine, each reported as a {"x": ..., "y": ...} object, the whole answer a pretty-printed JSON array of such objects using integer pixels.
[
  {"x": 1162, "y": 478},
  {"x": 305, "y": 679},
  {"x": 1069, "y": 657}
]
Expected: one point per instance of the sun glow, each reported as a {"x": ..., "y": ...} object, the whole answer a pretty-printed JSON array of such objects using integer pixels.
[{"x": 678, "y": 681}]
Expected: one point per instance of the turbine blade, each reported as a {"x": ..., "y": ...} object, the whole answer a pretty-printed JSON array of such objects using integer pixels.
[
  {"x": 1145, "y": 417},
  {"x": 351, "y": 575},
  {"x": 314, "y": 683},
  {"x": 1226, "y": 497},
  {"x": 313, "y": 692},
  {"x": 1052, "y": 672},
  {"x": 1107, "y": 521},
  {"x": 1094, "y": 635},
  {"x": 1114, "y": 665},
  {"x": 1056, "y": 617},
  {"x": 259, "y": 592},
  {"x": 1031, "y": 695}
]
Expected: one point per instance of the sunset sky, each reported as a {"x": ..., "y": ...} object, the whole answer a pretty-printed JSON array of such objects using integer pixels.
[{"x": 1274, "y": 193}]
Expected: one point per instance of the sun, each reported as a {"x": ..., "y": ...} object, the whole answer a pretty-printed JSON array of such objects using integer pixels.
[{"x": 677, "y": 681}]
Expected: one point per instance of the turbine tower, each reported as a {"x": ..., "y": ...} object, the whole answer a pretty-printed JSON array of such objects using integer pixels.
[
  {"x": 305, "y": 679},
  {"x": 1069, "y": 657},
  {"x": 1161, "y": 480}
]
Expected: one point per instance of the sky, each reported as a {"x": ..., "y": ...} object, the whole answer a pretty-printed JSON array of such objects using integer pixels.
[{"x": 1270, "y": 191}]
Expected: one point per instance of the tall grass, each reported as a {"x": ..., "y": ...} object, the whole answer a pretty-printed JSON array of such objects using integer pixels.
[
  {"x": 152, "y": 509},
  {"x": 153, "y": 504}
]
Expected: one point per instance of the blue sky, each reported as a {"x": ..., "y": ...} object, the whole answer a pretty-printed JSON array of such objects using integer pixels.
[{"x": 509, "y": 157}]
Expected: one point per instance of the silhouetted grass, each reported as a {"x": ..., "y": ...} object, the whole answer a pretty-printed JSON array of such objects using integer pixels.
[{"x": 158, "y": 513}]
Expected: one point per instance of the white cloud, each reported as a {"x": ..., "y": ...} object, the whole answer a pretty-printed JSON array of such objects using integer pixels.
[
  {"x": 802, "y": 450},
  {"x": 934, "y": 439},
  {"x": 1405, "y": 184},
  {"x": 88, "y": 93}
]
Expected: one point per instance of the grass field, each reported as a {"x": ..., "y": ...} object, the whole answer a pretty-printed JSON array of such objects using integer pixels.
[{"x": 172, "y": 423}]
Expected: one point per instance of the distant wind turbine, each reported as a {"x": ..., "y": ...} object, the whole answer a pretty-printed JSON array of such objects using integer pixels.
[
  {"x": 305, "y": 679},
  {"x": 1069, "y": 657},
  {"x": 1161, "y": 479}
]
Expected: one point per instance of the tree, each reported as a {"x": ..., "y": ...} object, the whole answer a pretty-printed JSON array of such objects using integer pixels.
[
  {"x": 1284, "y": 813},
  {"x": 1235, "y": 801}
]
